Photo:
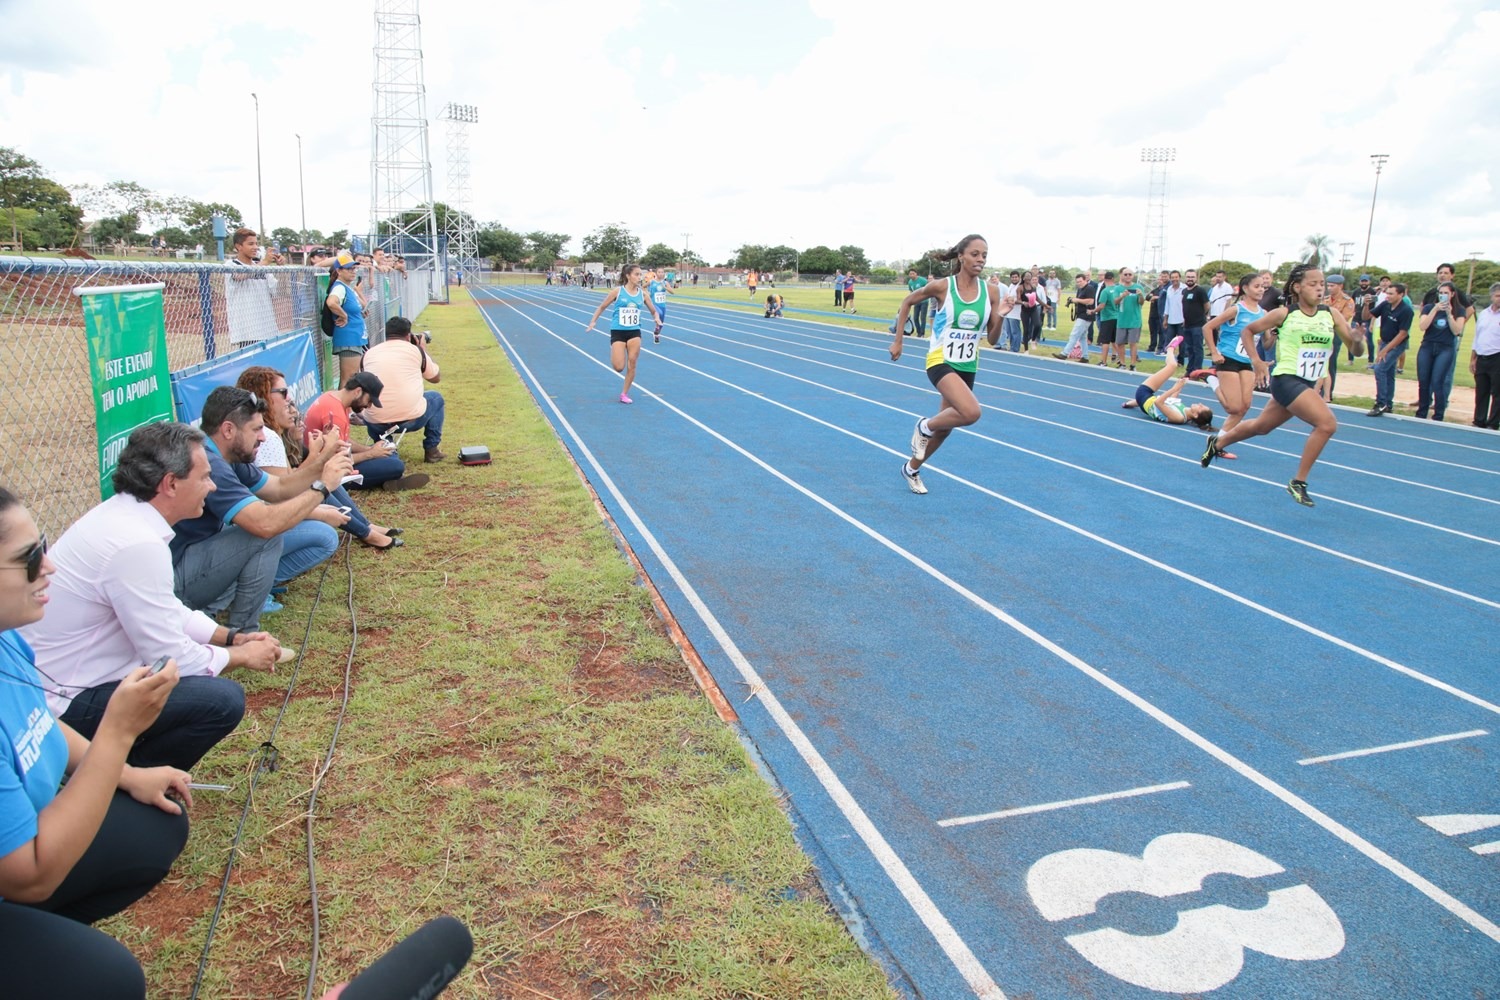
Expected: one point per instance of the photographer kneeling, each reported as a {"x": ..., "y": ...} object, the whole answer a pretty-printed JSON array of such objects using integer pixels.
[{"x": 401, "y": 364}]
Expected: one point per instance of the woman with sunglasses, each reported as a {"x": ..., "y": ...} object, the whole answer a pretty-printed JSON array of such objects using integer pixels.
[
  {"x": 72, "y": 854},
  {"x": 274, "y": 455}
]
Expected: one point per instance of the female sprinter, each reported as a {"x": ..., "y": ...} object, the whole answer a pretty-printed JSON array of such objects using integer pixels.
[
  {"x": 1231, "y": 350},
  {"x": 1166, "y": 406},
  {"x": 625, "y": 330},
  {"x": 965, "y": 307},
  {"x": 1304, "y": 340}
]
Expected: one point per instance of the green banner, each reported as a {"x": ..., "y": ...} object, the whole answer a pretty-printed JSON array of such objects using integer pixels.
[{"x": 127, "y": 337}]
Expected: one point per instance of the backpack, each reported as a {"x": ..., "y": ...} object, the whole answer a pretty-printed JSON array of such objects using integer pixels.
[{"x": 325, "y": 317}]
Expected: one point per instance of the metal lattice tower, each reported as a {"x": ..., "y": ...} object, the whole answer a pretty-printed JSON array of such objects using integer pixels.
[
  {"x": 461, "y": 229},
  {"x": 400, "y": 168},
  {"x": 1155, "y": 238}
]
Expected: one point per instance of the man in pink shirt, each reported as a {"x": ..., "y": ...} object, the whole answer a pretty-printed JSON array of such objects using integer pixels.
[{"x": 402, "y": 364}]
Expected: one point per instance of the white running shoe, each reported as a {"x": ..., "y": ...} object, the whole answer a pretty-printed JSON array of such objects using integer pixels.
[
  {"x": 918, "y": 442},
  {"x": 913, "y": 480}
]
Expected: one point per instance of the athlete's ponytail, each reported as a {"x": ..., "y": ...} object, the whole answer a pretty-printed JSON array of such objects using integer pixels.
[
  {"x": 956, "y": 251},
  {"x": 1245, "y": 283}
]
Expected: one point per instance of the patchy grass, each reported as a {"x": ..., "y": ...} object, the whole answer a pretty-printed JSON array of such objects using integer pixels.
[{"x": 524, "y": 748}]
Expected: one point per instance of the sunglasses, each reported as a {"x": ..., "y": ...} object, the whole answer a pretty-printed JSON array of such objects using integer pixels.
[
  {"x": 284, "y": 392},
  {"x": 33, "y": 560}
]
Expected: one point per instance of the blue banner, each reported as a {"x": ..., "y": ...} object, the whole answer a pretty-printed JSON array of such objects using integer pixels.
[{"x": 295, "y": 355}]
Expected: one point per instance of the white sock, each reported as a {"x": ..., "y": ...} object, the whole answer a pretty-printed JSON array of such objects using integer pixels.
[
  {"x": 924, "y": 427},
  {"x": 908, "y": 470}
]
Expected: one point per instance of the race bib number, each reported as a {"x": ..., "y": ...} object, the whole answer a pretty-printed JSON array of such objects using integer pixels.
[
  {"x": 630, "y": 316},
  {"x": 960, "y": 350},
  {"x": 1312, "y": 363}
]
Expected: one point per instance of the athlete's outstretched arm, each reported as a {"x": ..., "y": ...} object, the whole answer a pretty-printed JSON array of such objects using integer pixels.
[{"x": 609, "y": 300}]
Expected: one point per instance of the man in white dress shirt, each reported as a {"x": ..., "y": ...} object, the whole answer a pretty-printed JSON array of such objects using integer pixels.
[{"x": 112, "y": 607}]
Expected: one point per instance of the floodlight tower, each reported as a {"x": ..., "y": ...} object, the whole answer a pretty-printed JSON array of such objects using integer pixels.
[
  {"x": 1155, "y": 235},
  {"x": 461, "y": 229},
  {"x": 400, "y": 167}
]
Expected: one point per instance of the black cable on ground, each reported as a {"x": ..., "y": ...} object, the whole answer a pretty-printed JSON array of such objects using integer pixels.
[
  {"x": 265, "y": 761},
  {"x": 312, "y": 801}
]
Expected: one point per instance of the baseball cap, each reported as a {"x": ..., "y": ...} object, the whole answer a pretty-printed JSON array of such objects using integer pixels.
[
  {"x": 370, "y": 383},
  {"x": 1364, "y": 277},
  {"x": 1335, "y": 279},
  {"x": 345, "y": 260}
]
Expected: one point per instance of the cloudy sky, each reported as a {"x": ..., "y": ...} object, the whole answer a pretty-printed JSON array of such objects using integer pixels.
[{"x": 894, "y": 127}]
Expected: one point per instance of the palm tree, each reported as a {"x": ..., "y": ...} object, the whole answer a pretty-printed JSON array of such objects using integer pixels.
[{"x": 1318, "y": 249}]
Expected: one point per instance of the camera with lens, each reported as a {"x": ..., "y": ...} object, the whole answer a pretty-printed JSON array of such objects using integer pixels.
[{"x": 426, "y": 336}]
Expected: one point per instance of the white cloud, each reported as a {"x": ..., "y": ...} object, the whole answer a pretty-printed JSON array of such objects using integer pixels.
[{"x": 835, "y": 121}]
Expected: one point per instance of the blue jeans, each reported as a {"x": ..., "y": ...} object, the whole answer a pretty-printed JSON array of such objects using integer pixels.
[
  {"x": 234, "y": 569},
  {"x": 1168, "y": 332},
  {"x": 919, "y": 317},
  {"x": 1010, "y": 332},
  {"x": 1192, "y": 348},
  {"x": 1077, "y": 338},
  {"x": 379, "y": 470},
  {"x": 303, "y": 546},
  {"x": 200, "y": 711},
  {"x": 358, "y": 525},
  {"x": 1369, "y": 332},
  {"x": 1385, "y": 381},
  {"x": 430, "y": 423},
  {"x": 1435, "y": 375}
]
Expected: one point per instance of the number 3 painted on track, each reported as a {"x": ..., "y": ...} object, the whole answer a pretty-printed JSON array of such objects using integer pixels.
[{"x": 1207, "y": 947}]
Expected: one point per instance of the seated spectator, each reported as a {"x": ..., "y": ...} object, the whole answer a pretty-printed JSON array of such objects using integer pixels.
[
  {"x": 255, "y": 530},
  {"x": 401, "y": 364},
  {"x": 75, "y": 854},
  {"x": 283, "y": 448},
  {"x": 773, "y": 306},
  {"x": 112, "y": 607},
  {"x": 378, "y": 463}
]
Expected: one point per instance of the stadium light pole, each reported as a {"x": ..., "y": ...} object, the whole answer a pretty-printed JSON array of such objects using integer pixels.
[
  {"x": 1091, "y": 258},
  {"x": 1268, "y": 260},
  {"x": 1379, "y": 160},
  {"x": 1222, "y": 247},
  {"x": 301, "y": 198},
  {"x": 259, "y": 195},
  {"x": 1200, "y": 262},
  {"x": 1473, "y": 256}
]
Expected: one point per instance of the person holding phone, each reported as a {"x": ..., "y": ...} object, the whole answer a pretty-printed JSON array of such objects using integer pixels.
[
  {"x": 72, "y": 854},
  {"x": 1441, "y": 322}
]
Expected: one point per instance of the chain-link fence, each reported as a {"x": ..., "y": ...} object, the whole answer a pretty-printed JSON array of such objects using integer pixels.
[{"x": 48, "y": 453}]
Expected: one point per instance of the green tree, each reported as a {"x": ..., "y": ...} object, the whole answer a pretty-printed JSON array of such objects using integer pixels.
[
  {"x": 750, "y": 256},
  {"x": 820, "y": 260},
  {"x": 691, "y": 259},
  {"x": 338, "y": 239},
  {"x": 658, "y": 255},
  {"x": 175, "y": 237},
  {"x": 884, "y": 276},
  {"x": 782, "y": 258},
  {"x": 122, "y": 228},
  {"x": 502, "y": 245},
  {"x": 196, "y": 217},
  {"x": 16, "y": 171},
  {"x": 854, "y": 259},
  {"x": 543, "y": 248},
  {"x": 286, "y": 236},
  {"x": 1317, "y": 249},
  {"x": 613, "y": 244}
]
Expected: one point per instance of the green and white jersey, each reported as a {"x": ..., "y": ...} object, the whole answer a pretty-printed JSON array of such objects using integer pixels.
[
  {"x": 957, "y": 327},
  {"x": 1304, "y": 344}
]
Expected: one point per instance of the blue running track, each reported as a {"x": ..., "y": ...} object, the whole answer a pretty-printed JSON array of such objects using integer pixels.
[{"x": 1086, "y": 720}]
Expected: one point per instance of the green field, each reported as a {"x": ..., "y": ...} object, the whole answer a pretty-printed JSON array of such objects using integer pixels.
[{"x": 524, "y": 749}]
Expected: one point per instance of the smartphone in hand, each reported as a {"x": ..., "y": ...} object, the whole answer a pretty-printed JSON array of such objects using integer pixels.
[{"x": 157, "y": 666}]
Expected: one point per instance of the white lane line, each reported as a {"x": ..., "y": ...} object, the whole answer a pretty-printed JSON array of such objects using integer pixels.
[
  {"x": 954, "y": 946},
  {"x": 1011, "y": 362},
  {"x": 911, "y": 386},
  {"x": 1338, "y": 830},
  {"x": 1493, "y": 847},
  {"x": 1409, "y": 744},
  {"x": 1220, "y": 468},
  {"x": 1087, "y": 800}
]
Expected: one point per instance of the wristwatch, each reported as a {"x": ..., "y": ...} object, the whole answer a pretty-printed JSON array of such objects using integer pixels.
[
  {"x": 230, "y": 636},
  {"x": 318, "y": 485}
]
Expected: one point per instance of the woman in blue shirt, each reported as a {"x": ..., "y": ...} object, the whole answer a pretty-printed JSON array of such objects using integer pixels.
[
  {"x": 625, "y": 330},
  {"x": 73, "y": 855}
]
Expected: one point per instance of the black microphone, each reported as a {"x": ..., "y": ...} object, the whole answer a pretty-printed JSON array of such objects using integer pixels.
[{"x": 418, "y": 967}]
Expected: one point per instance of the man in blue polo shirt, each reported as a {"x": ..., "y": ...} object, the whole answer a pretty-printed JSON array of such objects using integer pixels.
[{"x": 255, "y": 529}]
